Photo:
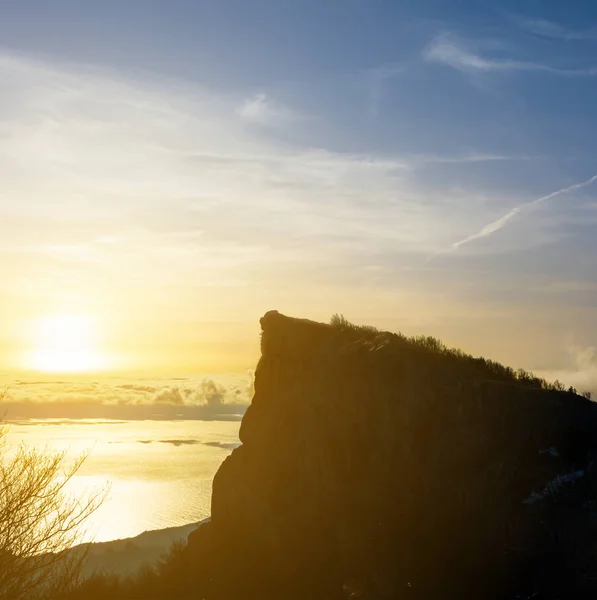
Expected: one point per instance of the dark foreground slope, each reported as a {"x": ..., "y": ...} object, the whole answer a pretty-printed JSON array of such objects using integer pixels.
[{"x": 375, "y": 467}]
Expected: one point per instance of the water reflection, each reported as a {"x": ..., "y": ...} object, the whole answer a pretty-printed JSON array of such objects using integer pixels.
[{"x": 159, "y": 473}]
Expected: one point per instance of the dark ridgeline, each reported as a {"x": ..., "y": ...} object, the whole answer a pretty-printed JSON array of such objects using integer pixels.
[{"x": 378, "y": 467}]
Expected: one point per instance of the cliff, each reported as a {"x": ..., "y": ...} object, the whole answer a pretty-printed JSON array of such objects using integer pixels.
[{"x": 372, "y": 466}]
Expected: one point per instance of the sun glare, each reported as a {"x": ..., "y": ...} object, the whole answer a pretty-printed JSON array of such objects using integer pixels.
[{"x": 65, "y": 344}]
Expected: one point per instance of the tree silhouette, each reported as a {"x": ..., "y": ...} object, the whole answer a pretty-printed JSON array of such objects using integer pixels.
[{"x": 39, "y": 522}]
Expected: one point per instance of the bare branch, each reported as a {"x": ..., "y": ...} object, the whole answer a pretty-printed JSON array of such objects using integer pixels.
[{"x": 40, "y": 523}]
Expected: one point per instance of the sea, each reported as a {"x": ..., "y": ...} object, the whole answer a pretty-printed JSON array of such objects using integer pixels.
[
  {"x": 157, "y": 474},
  {"x": 152, "y": 446}
]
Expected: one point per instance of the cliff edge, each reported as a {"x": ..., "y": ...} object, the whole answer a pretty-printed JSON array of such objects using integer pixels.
[{"x": 376, "y": 466}]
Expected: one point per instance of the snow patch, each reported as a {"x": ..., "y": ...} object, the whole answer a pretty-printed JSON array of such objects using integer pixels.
[
  {"x": 552, "y": 451},
  {"x": 554, "y": 485}
]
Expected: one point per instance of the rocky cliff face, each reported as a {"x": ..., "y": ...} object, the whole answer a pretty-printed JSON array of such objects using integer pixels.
[{"x": 374, "y": 467}]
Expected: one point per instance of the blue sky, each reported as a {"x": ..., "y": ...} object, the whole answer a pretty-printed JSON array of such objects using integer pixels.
[{"x": 423, "y": 166}]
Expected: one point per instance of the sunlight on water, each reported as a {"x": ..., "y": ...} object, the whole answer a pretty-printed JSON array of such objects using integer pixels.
[{"x": 159, "y": 473}]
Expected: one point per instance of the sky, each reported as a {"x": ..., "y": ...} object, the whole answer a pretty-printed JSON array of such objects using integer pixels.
[{"x": 169, "y": 171}]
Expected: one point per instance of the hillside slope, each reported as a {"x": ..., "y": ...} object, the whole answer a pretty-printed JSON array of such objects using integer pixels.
[
  {"x": 373, "y": 466},
  {"x": 127, "y": 556}
]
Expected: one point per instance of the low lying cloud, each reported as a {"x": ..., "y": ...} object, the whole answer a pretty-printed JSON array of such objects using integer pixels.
[
  {"x": 223, "y": 445},
  {"x": 206, "y": 399},
  {"x": 19, "y": 382},
  {"x": 172, "y": 442},
  {"x": 193, "y": 442},
  {"x": 137, "y": 388},
  {"x": 169, "y": 396}
]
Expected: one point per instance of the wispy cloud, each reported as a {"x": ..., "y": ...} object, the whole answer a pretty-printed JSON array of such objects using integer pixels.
[
  {"x": 154, "y": 183},
  {"x": 264, "y": 110},
  {"x": 498, "y": 224},
  {"x": 549, "y": 29},
  {"x": 134, "y": 149},
  {"x": 430, "y": 159},
  {"x": 447, "y": 50},
  {"x": 377, "y": 79},
  {"x": 152, "y": 197},
  {"x": 156, "y": 197}
]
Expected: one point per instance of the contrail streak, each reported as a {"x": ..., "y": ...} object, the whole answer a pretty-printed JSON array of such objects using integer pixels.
[{"x": 501, "y": 222}]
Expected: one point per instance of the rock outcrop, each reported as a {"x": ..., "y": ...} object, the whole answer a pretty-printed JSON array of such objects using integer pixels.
[{"x": 375, "y": 467}]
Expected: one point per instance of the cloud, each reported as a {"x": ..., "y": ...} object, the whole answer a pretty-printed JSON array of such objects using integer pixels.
[
  {"x": 549, "y": 29},
  {"x": 263, "y": 110},
  {"x": 42, "y": 382},
  {"x": 33, "y": 422},
  {"x": 498, "y": 224},
  {"x": 583, "y": 374},
  {"x": 169, "y": 396},
  {"x": 194, "y": 442},
  {"x": 175, "y": 190},
  {"x": 223, "y": 445},
  {"x": 448, "y": 51},
  {"x": 182, "y": 442},
  {"x": 207, "y": 399},
  {"x": 377, "y": 79},
  {"x": 429, "y": 159},
  {"x": 77, "y": 410},
  {"x": 155, "y": 196},
  {"x": 149, "y": 389},
  {"x": 210, "y": 392},
  {"x": 152, "y": 185}
]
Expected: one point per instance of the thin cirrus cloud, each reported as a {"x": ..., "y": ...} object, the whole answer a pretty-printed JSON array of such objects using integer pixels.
[
  {"x": 155, "y": 182},
  {"x": 151, "y": 182},
  {"x": 447, "y": 50},
  {"x": 549, "y": 29}
]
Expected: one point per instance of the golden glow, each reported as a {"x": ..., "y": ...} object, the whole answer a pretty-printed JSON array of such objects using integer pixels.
[{"x": 65, "y": 344}]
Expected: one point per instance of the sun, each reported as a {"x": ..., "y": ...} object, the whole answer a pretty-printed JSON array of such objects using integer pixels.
[{"x": 66, "y": 343}]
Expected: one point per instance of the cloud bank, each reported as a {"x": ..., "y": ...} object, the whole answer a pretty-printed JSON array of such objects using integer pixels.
[{"x": 207, "y": 399}]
